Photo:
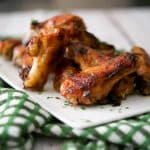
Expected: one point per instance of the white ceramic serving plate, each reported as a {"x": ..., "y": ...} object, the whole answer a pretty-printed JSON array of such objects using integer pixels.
[{"x": 75, "y": 116}]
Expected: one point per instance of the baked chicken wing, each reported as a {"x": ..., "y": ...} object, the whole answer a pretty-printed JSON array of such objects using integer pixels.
[
  {"x": 143, "y": 70},
  {"x": 94, "y": 83},
  {"x": 87, "y": 57},
  {"x": 73, "y": 25},
  {"x": 7, "y": 46}
]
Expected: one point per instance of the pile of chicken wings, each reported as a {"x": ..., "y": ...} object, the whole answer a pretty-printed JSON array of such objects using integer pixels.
[{"x": 86, "y": 70}]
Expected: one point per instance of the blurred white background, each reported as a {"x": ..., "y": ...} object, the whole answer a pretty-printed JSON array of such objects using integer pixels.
[{"x": 15, "y": 5}]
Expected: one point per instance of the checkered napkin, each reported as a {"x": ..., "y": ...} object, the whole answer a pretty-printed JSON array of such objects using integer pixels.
[{"x": 20, "y": 118}]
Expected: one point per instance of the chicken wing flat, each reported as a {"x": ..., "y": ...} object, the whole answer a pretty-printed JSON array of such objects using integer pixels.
[
  {"x": 44, "y": 50},
  {"x": 7, "y": 46},
  {"x": 143, "y": 70},
  {"x": 94, "y": 83},
  {"x": 88, "y": 57}
]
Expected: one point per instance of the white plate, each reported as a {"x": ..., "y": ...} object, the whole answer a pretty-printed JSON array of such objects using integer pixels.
[{"x": 76, "y": 117}]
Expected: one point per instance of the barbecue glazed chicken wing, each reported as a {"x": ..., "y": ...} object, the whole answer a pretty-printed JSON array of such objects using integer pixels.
[{"x": 93, "y": 84}]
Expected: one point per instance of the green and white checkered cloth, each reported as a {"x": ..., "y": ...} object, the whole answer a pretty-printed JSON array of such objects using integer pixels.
[{"x": 20, "y": 118}]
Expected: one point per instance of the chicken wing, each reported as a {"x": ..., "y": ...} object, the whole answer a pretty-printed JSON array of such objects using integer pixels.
[
  {"x": 44, "y": 50},
  {"x": 7, "y": 46},
  {"x": 94, "y": 83},
  {"x": 143, "y": 70}
]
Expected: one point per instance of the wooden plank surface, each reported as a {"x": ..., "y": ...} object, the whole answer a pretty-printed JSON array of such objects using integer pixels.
[{"x": 123, "y": 28}]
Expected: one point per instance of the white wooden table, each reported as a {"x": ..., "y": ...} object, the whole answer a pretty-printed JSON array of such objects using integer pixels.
[{"x": 122, "y": 27}]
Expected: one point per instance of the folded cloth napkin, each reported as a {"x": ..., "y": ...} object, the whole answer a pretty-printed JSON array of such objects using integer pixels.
[{"x": 20, "y": 118}]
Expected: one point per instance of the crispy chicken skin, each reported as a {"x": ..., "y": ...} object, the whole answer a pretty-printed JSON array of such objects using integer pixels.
[
  {"x": 143, "y": 70},
  {"x": 72, "y": 24},
  {"x": 7, "y": 46},
  {"x": 65, "y": 70},
  {"x": 94, "y": 83},
  {"x": 44, "y": 50}
]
